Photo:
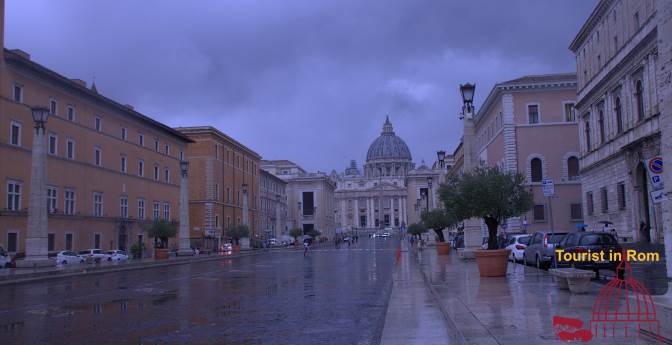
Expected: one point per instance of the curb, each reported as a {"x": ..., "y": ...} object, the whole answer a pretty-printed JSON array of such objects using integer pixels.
[{"x": 52, "y": 275}]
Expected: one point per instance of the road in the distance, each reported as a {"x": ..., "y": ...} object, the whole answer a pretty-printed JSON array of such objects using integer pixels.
[{"x": 331, "y": 296}]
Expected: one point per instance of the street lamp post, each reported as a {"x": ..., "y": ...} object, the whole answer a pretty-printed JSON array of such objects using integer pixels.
[
  {"x": 441, "y": 155},
  {"x": 36, "y": 232},
  {"x": 184, "y": 245}
]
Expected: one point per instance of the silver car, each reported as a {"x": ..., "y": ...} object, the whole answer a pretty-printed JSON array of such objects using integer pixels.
[{"x": 540, "y": 249}]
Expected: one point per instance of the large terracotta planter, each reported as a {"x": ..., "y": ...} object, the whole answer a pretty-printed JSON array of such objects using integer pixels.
[
  {"x": 161, "y": 254},
  {"x": 236, "y": 248},
  {"x": 492, "y": 263},
  {"x": 442, "y": 248}
]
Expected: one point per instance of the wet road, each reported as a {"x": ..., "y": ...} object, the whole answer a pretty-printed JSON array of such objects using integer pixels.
[{"x": 332, "y": 296}]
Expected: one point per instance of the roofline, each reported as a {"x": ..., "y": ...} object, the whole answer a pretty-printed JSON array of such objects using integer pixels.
[
  {"x": 10, "y": 55},
  {"x": 210, "y": 129},
  {"x": 276, "y": 161},
  {"x": 597, "y": 13}
]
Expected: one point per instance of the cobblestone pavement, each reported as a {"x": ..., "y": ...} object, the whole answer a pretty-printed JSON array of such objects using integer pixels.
[{"x": 331, "y": 296}]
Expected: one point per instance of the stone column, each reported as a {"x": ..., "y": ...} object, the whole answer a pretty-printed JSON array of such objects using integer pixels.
[
  {"x": 664, "y": 79},
  {"x": 391, "y": 211},
  {"x": 370, "y": 213},
  {"x": 356, "y": 214},
  {"x": 184, "y": 245},
  {"x": 343, "y": 215},
  {"x": 405, "y": 208},
  {"x": 36, "y": 233}
]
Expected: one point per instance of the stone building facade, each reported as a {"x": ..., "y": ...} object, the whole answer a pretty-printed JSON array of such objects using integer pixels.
[
  {"x": 111, "y": 170},
  {"x": 223, "y": 186},
  {"x": 528, "y": 125},
  {"x": 273, "y": 213},
  {"x": 619, "y": 109}
]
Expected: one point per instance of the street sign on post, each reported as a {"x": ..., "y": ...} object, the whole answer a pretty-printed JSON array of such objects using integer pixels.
[
  {"x": 549, "y": 187},
  {"x": 655, "y": 167}
]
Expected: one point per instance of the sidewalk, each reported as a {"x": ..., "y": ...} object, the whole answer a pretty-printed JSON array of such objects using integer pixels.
[
  {"x": 24, "y": 275},
  {"x": 413, "y": 316},
  {"x": 518, "y": 309}
]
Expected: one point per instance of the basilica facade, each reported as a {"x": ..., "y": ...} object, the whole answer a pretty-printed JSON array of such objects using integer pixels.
[{"x": 388, "y": 191}]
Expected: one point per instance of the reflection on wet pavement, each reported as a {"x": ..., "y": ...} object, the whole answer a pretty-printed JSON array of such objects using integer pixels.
[{"x": 334, "y": 296}]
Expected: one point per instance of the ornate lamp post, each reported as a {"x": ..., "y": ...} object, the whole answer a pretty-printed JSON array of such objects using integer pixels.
[
  {"x": 467, "y": 90},
  {"x": 184, "y": 245},
  {"x": 441, "y": 155},
  {"x": 36, "y": 233}
]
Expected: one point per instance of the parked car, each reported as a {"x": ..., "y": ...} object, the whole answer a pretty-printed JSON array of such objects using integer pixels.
[
  {"x": 273, "y": 242},
  {"x": 595, "y": 242},
  {"x": 5, "y": 259},
  {"x": 228, "y": 247},
  {"x": 540, "y": 249},
  {"x": 385, "y": 235},
  {"x": 117, "y": 255},
  {"x": 67, "y": 257},
  {"x": 517, "y": 243},
  {"x": 96, "y": 255}
]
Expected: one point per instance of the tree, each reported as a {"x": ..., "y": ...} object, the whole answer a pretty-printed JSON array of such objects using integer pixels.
[
  {"x": 313, "y": 233},
  {"x": 486, "y": 193},
  {"x": 236, "y": 232},
  {"x": 437, "y": 220},
  {"x": 161, "y": 231},
  {"x": 416, "y": 229},
  {"x": 296, "y": 232}
]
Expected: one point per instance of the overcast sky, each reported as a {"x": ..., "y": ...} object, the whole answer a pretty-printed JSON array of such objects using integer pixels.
[{"x": 305, "y": 80}]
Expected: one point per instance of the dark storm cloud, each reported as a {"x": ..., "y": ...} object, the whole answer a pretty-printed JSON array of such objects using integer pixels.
[{"x": 305, "y": 80}]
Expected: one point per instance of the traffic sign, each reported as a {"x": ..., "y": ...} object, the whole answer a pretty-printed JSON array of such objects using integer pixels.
[
  {"x": 655, "y": 167},
  {"x": 549, "y": 187},
  {"x": 658, "y": 196}
]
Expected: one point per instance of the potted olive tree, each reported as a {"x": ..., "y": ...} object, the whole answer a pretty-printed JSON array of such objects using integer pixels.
[
  {"x": 161, "y": 231},
  {"x": 437, "y": 220},
  {"x": 236, "y": 232},
  {"x": 492, "y": 195},
  {"x": 295, "y": 233}
]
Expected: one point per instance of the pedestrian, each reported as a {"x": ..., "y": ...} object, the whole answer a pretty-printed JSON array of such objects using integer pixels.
[{"x": 305, "y": 247}]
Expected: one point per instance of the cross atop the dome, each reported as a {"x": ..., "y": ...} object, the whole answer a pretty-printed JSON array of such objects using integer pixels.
[{"x": 387, "y": 127}]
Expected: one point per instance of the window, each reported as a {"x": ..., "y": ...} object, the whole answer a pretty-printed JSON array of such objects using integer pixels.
[
  {"x": 535, "y": 170},
  {"x": 68, "y": 241},
  {"x": 99, "y": 124},
  {"x": 71, "y": 116},
  {"x": 590, "y": 206},
  {"x": 156, "y": 210},
  {"x": 96, "y": 241},
  {"x": 141, "y": 209},
  {"x": 18, "y": 93},
  {"x": 156, "y": 145},
  {"x": 167, "y": 149},
  {"x": 12, "y": 242},
  {"x": 141, "y": 168},
  {"x": 141, "y": 139},
  {"x": 533, "y": 113},
  {"x": 599, "y": 60},
  {"x": 619, "y": 115},
  {"x": 53, "y": 106},
  {"x": 573, "y": 168},
  {"x": 569, "y": 112},
  {"x": 636, "y": 18},
  {"x": 604, "y": 200},
  {"x": 639, "y": 95},
  {"x": 51, "y": 242},
  {"x": 181, "y": 155},
  {"x": 539, "y": 213},
  {"x": 575, "y": 212},
  {"x": 123, "y": 164},
  {"x": 616, "y": 43},
  {"x": 156, "y": 173},
  {"x": 69, "y": 202},
  {"x": 98, "y": 204},
  {"x": 166, "y": 175},
  {"x": 600, "y": 121},
  {"x": 51, "y": 199},
  {"x": 53, "y": 142},
  {"x": 228, "y": 195},
  {"x": 15, "y": 134},
  {"x": 70, "y": 149},
  {"x": 587, "y": 132},
  {"x": 123, "y": 207},
  {"x": 123, "y": 133},
  {"x": 166, "y": 211},
  {"x": 217, "y": 191},
  {"x": 13, "y": 195},
  {"x": 97, "y": 156},
  {"x": 620, "y": 190}
]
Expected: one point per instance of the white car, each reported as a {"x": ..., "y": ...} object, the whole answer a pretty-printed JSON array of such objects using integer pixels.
[
  {"x": 517, "y": 244},
  {"x": 93, "y": 255},
  {"x": 227, "y": 247},
  {"x": 67, "y": 257},
  {"x": 117, "y": 255},
  {"x": 5, "y": 259}
]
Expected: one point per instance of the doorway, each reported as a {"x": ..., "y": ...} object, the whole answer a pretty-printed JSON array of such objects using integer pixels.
[{"x": 643, "y": 195}]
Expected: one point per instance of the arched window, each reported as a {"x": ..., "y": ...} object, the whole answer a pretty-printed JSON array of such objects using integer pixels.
[
  {"x": 535, "y": 170},
  {"x": 619, "y": 115},
  {"x": 600, "y": 120},
  {"x": 639, "y": 95},
  {"x": 573, "y": 168}
]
